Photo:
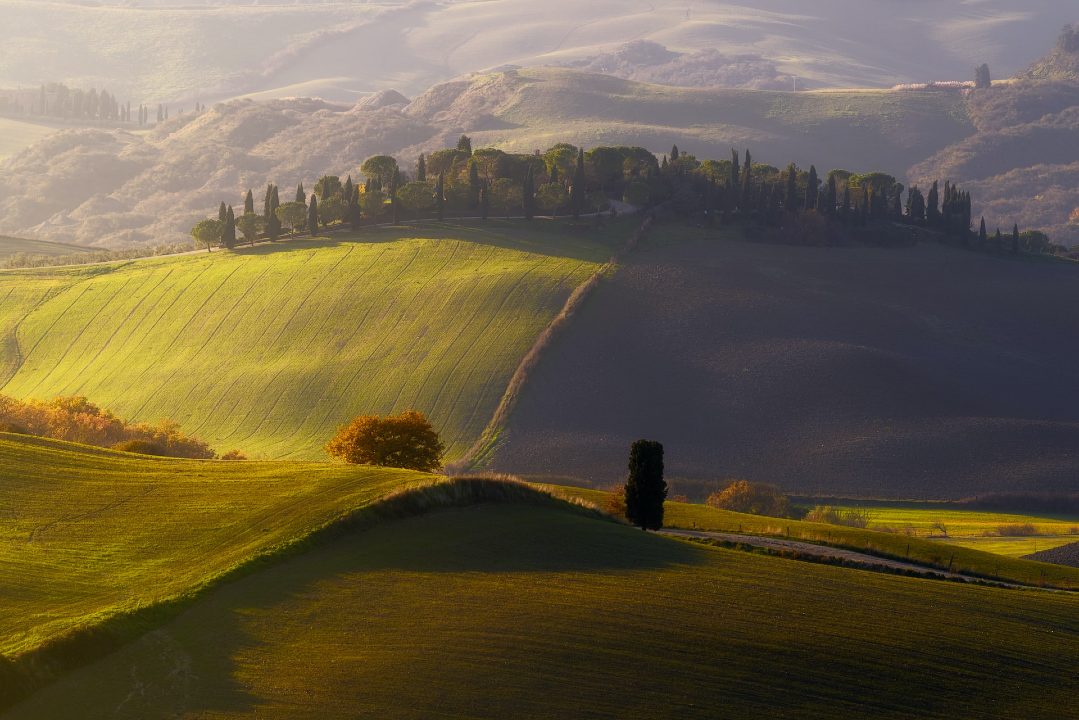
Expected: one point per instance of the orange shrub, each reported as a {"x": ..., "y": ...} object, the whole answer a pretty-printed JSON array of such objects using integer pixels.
[
  {"x": 405, "y": 441},
  {"x": 76, "y": 419}
]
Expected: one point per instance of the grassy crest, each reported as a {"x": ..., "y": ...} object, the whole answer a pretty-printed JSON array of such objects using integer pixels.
[
  {"x": 91, "y": 533},
  {"x": 532, "y": 612},
  {"x": 269, "y": 349}
]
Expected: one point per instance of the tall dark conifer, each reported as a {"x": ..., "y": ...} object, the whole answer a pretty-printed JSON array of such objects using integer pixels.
[
  {"x": 228, "y": 234},
  {"x": 577, "y": 191},
  {"x": 249, "y": 203},
  {"x": 222, "y": 212},
  {"x": 421, "y": 169},
  {"x": 312, "y": 215},
  {"x": 983, "y": 236},
  {"x": 645, "y": 489}
]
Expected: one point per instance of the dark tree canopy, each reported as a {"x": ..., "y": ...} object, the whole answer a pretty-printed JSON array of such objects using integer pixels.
[{"x": 645, "y": 489}]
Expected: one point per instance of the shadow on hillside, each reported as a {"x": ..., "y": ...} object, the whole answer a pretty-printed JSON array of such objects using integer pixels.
[
  {"x": 218, "y": 655},
  {"x": 582, "y": 240}
]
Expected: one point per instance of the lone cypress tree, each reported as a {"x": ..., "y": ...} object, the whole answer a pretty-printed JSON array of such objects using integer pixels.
[
  {"x": 249, "y": 203},
  {"x": 421, "y": 169},
  {"x": 576, "y": 193},
  {"x": 983, "y": 236},
  {"x": 222, "y": 212},
  {"x": 645, "y": 488},
  {"x": 312, "y": 216}
]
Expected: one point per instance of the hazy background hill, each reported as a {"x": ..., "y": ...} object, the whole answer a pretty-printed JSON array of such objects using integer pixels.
[{"x": 177, "y": 52}]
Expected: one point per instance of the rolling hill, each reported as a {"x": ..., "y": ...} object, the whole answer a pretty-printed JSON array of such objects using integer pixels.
[
  {"x": 921, "y": 372},
  {"x": 270, "y": 348},
  {"x": 17, "y": 135},
  {"x": 530, "y": 612},
  {"x": 340, "y": 50},
  {"x": 12, "y": 245}
]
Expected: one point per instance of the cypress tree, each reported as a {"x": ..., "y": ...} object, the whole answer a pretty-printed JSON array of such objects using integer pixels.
[
  {"x": 421, "y": 169},
  {"x": 395, "y": 204},
  {"x": 312, "y": 216},
  {"x": 474, "y": 184},
  {"x": 301, "y": 196},
  {"x": 576, "y": 195},
  {"x": 830, "y": 197},
  {"x": 222, "y": 212},
  {"x": 811, "y": 188},
  {"x": 746, "y": 202},
  {"x": 674, "y": 154},
  {"x": 1015, "y": 239},
  {"x": 228, "y": 234},
  {"x": 932, "y": 206},
  {"x": 249, "y": 203},
  {"x": 791, "y": 201},
  {"x": 354, "y": 212},
  {"x": 733, "y": 189},
  {"x": 346, "y": 192},
  {"x": 645, "y": 489},
  {"x": 440, "y": 195},
  {"x": 983, "y": 237},
  {"x": 528, "y": 195},
  {"x": 273, "y": 223},
  {"x": 553, "y": 179},
  {"x": 266, "y": 201}
]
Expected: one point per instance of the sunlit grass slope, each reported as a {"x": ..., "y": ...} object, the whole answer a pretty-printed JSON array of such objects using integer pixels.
[
  {"x": 531, "y": 612},
  {"x": 86, "y": 533},
  {"x": 270, "y": 349},
  {"x": 693, "y": 516}
]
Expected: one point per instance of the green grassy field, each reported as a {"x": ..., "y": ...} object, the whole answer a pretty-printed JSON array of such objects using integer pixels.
[
  {"x": 269, "y": 349},
  {"x": 972, "y": 528},
  {"x": 12, "y": 245},
  {"x": 920, "y": 550},
  {"x": 529, "y": 612},
  {"x": 88, "y": 533},
  {"x": 15, "y": 135}
]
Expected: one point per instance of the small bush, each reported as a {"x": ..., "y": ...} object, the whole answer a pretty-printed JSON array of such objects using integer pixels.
[
  {"x": 854, "y": 518},
  {"x": 404, "y": 441},
  {"x": 754, "y": 498},
  {"x": 614, "y": 502},
  {"x": 1017, "y": 530},
  {"x": 142, "y": 447},
  {"x": 233, "y": 455}
]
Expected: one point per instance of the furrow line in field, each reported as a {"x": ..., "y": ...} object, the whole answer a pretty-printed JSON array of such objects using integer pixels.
[
  {"x": 137, "y": 381},
  {"x": 71, "y": 345},
  {"x": 84, "y": 373},
  {"x": 194, "y": 314},
  {"x": 359, "y": 326}
]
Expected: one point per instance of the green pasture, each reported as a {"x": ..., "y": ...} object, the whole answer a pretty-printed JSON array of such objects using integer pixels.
[
  {"x": 17, "y": 135},
  {"x": 86, "y": 533},
  {"x": 269, "y": 349},
  {"x": 534, "y": 612}
]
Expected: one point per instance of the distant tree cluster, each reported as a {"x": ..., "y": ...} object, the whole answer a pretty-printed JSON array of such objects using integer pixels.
[
  {"x": 76, "y": 419},
  {"x": 57, "y": 100},
  {"x": 793, "y": 204}
]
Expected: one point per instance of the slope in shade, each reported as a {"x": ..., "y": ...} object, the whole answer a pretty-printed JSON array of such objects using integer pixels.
[
  {"x": 528, "y": 612},
  {"x": 920, "y": 372},
  {"x": 270, "y": 349}
]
